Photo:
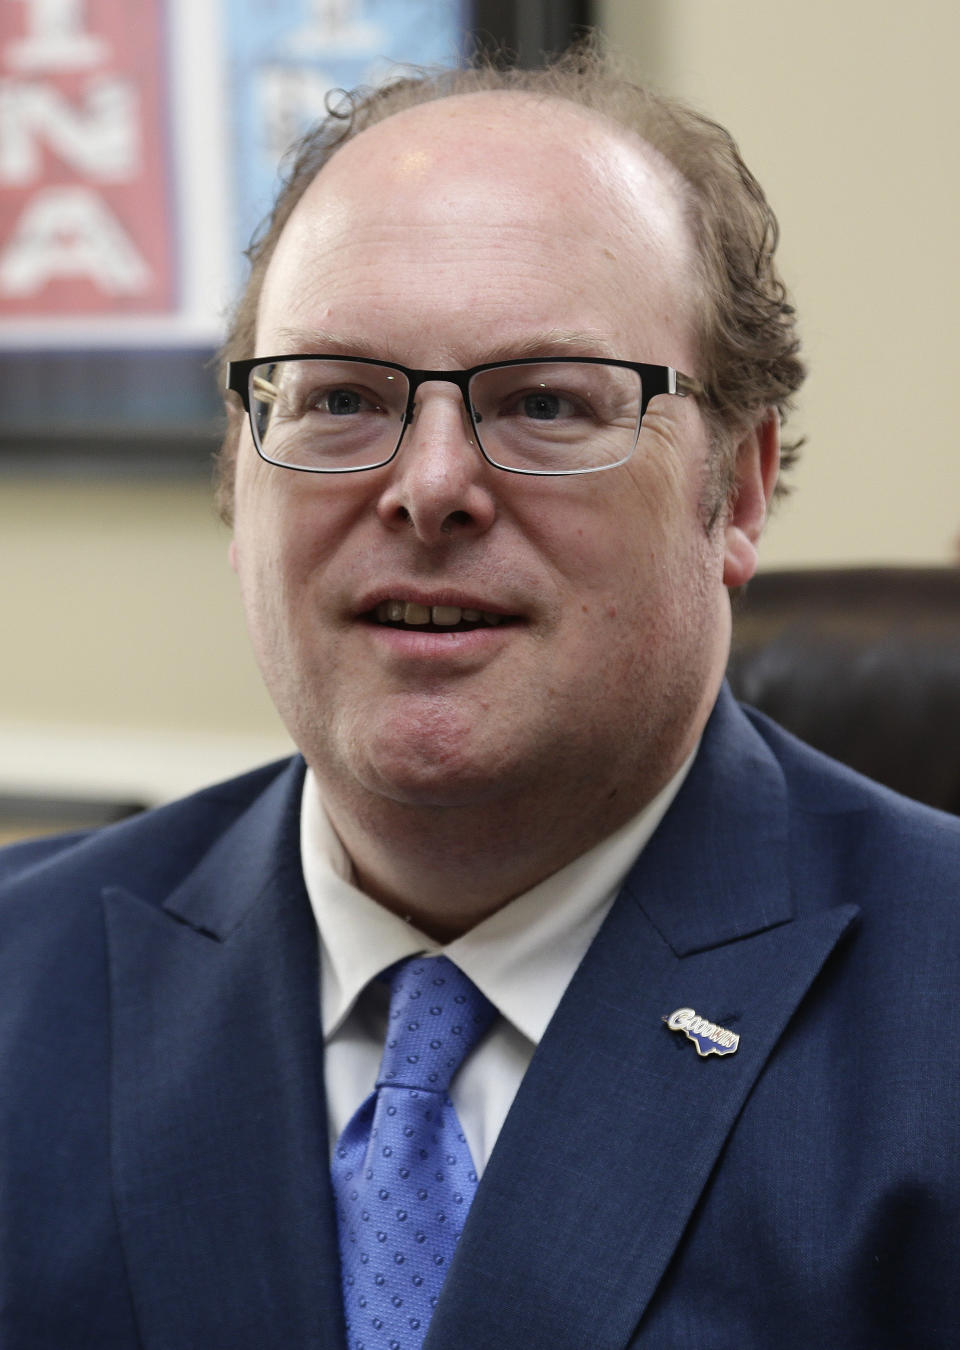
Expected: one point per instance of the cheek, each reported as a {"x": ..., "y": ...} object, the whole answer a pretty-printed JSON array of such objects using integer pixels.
[
  {"x": 284, "y": 522},
  {"x": 264, "y": 554},
  {"x": 644, "y": 536},
  {"x": 654, "y": 573}
]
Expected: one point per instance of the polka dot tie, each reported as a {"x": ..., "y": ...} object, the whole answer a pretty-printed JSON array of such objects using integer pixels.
[{"x": 402, "y": 1170}]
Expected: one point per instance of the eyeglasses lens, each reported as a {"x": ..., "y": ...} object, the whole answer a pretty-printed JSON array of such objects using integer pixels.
[
  {"x": 322, "y": 414},
  {"x": 557, "y": 416}
]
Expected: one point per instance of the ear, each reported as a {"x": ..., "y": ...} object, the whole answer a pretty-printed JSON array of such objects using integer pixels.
[
  {"x": 233, "y": 554},
  {"x": 755, "y": 477}
]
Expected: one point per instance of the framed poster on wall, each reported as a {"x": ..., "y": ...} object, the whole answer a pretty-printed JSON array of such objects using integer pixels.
[{"x": 139, "y": 148}]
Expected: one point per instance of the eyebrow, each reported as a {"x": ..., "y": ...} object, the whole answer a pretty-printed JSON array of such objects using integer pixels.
[
  {"x": 320, "y": 340},
  {"x": 553, "y": 342}
]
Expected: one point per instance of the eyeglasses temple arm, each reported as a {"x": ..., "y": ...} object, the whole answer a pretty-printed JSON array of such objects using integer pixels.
[{"x": 684, "y": 385}]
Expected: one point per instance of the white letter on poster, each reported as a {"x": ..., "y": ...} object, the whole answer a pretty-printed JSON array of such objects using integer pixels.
[
  {"x": 100, "y": 140},
  {"x": 56, "y": 40},
  {"x": 70, "y": 232}
]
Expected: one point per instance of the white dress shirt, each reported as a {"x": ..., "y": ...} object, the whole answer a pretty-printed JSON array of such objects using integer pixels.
[{"x": 522, "y": 957}]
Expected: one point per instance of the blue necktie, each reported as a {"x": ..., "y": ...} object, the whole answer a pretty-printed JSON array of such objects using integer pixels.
[{"x": 402, "y": 1170}]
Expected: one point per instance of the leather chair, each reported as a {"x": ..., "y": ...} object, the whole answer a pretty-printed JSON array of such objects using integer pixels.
[{"x": 864, "y": 664}]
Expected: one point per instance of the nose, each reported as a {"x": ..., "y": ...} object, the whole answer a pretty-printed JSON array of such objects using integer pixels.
[{"x": 440, "y": 484}]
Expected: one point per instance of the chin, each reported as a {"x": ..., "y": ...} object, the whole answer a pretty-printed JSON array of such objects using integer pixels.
[
  {"x": 431, "y": 759},
  {"x": 422, "y": 780}
]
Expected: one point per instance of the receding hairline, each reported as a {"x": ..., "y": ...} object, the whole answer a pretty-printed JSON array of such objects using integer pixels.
[{"x": 463, "y": 101}]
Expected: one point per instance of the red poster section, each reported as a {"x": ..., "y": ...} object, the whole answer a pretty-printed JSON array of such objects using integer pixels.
[{"x": 86, "y": 197}]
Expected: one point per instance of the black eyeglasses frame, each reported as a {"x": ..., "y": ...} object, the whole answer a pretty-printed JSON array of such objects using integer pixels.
[{"x": 654, "y": 380}]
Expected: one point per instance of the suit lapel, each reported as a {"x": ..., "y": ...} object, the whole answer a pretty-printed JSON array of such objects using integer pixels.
[
  {"x": 619, "y": 1122},
  {"x": 219, "y": 1120}
]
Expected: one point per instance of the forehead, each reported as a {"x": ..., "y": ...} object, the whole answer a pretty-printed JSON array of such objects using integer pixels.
[{"x": 479, "y": 193}]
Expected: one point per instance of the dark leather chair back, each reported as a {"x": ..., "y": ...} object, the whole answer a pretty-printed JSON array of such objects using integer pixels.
[{"x": 864, "y": 664}]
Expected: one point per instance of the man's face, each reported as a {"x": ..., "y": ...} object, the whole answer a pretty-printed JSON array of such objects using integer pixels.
[{"x": 475, "y": 229}]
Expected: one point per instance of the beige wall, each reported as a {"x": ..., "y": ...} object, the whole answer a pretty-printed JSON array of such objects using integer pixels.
[
  {"x": 125, "y": 665},
  {"x": 848, "y": 111}
]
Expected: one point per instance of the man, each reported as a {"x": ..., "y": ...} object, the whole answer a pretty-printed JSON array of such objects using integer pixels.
[{"x": 704, "y": 974}]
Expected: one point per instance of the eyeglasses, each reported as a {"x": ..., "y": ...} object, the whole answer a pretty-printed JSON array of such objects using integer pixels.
[{"x": 345, "y": 414}]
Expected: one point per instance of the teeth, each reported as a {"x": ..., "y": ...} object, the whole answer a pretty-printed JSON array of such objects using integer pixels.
[{"x": 442, "y": 616}]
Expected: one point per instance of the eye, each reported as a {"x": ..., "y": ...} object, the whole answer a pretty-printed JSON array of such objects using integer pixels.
[
  {"x": 542, "y": 405},
  {"x": 342, "y": 402}
]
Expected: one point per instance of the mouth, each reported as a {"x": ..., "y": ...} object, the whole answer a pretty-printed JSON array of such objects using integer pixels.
[{"x": 408, "y": 614}]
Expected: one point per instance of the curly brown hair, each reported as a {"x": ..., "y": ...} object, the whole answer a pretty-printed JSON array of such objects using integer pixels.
[{"x": 747, "y": 330}]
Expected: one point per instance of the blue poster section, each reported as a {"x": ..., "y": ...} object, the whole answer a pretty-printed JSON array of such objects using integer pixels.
[{"x": 285, "y": 55}]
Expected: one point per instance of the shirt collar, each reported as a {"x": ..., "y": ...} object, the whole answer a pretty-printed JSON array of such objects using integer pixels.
[{"x": 522, "y": 957}]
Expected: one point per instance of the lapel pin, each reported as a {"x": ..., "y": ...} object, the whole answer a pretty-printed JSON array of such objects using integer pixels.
[{"x": 708, "y": 1038}]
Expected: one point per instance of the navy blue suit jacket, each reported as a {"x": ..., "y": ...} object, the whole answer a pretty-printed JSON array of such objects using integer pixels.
[{"x": 163, "y": 1156}]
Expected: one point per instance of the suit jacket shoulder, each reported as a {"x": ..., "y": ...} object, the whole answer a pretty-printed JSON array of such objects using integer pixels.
[
  {"x": 175, "y": 835},
  {"x": 875, "y": 833}
]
